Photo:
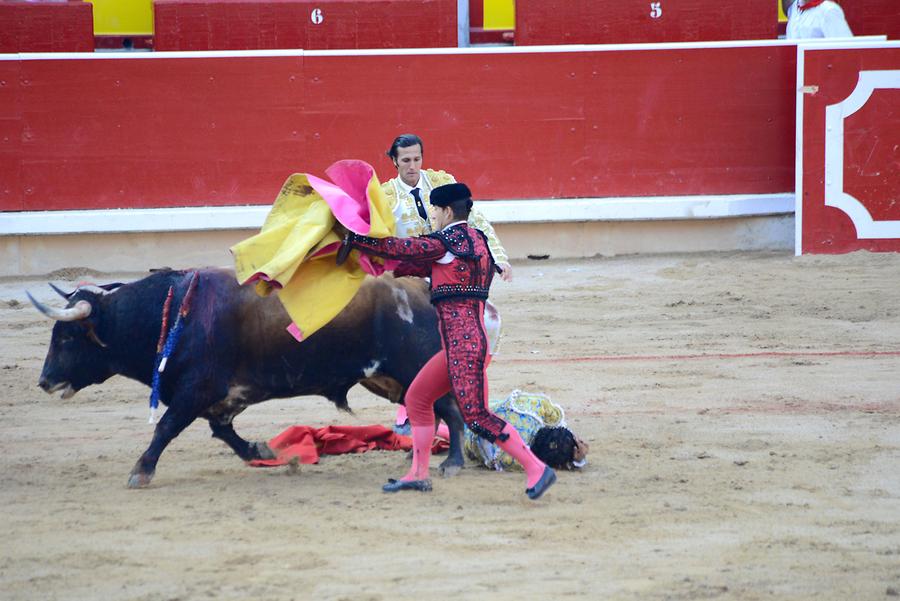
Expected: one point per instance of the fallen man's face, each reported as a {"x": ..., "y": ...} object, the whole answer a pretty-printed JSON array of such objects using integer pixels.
[{"x": 581, "y": 450}]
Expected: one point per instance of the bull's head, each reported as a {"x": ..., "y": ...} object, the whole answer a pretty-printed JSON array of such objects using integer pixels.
[{"x": 77, "y": 356}]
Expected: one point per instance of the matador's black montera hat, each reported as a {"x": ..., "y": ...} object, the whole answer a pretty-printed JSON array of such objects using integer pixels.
[{"x": 443, "y": 196}]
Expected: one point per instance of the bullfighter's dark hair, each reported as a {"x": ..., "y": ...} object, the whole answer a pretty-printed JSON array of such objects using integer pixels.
[
  {"x": 461, "y": 208},
  {"x": 404, "y": 141},
  {"x": 554, "y": 446}
]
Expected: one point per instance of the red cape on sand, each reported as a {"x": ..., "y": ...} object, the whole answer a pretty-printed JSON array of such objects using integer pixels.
[{"x": 306, "y": 443}]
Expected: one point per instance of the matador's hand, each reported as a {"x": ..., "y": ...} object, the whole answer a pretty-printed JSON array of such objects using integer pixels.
[
  {"x": 505, "y": 271},
  {"x": 345, "y": 248},
  {"x": 340, "y": 229}
]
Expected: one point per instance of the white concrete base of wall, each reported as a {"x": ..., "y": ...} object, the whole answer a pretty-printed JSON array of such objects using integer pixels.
[
  {"x": 41, "y": 254},
  {"x": 609, "y": 238}
]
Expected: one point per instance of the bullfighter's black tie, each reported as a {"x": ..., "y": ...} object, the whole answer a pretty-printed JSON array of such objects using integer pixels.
[{"x": 419, "y": 206}]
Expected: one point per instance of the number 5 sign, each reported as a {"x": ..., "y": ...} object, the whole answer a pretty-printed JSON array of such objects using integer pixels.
[{"x": 655, "y": 10}]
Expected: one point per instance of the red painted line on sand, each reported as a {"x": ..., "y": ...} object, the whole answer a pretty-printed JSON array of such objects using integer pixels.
[{"x": 702, "y": 356}]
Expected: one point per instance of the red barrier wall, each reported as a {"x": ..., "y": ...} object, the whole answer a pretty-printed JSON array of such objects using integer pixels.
[
  {"x": 53, "y": 27},
  {"x": 873, "y": 17},
  {"x": 639, "y": 21},
  {"x": 157, "y": 131},
  {"x": 308, "y": 24},
  {"x": 11, "y": 129},
  {"x": 849, "y": 181}
]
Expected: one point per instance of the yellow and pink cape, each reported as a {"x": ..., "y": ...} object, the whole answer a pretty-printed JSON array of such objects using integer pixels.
[{"x": 293, "y": 255}]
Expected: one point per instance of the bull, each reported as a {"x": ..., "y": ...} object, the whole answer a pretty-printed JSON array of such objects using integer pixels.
[{"x": 234, "y": 351}]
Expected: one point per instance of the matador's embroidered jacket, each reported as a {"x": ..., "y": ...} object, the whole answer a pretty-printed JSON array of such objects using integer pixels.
[
  {"x": 410, "y": 223},
  {"x": 461, "y": 268}
]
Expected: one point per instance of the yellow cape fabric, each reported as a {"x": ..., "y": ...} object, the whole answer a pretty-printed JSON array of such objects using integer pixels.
[{"x": 313, "y": 288}]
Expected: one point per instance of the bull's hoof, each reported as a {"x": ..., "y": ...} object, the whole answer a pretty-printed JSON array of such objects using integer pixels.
[
  {"x": 262, "y": 450},
  {"x": 449, "y": 468},
  {"x": 140, "y": 480}
]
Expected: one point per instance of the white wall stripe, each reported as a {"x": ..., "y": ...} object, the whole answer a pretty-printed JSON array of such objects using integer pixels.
[
  {"x": 857, "y": 42},
  {"x": 798, "y": 155},
  {"x": 43, "y": 56},
  {"x": 497, "y": 211}
]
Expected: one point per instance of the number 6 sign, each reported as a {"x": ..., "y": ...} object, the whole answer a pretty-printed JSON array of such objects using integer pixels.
[{"x": 316, "y": 16}]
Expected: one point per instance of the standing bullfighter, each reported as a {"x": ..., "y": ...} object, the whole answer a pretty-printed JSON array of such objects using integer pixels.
[{"x": 461, "y": 267}]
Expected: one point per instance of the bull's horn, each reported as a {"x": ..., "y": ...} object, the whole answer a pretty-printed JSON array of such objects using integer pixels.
[
  {"x": 97, "y": 288},
  {"x": 65, "y": 295},
  {"x": 81, "y": 310}
]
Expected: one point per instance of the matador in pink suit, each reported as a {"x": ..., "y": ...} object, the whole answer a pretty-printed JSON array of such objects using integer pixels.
[{"x": 461, "y": 267}]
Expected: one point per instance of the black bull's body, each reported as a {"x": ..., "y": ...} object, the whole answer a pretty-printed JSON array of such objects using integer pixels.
[{"x": 234, "y": 352}]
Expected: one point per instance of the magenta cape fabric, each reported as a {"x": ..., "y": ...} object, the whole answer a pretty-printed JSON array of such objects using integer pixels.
[{"x": 347, "y": 194}]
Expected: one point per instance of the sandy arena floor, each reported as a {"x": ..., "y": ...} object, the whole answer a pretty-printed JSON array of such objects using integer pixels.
[{"x": 743, "y": 412}]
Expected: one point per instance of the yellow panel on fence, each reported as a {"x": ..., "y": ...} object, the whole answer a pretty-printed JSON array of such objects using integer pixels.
[
  {"x": 782, "y": 18},
  {"x": 123, "y": 17},
  {"x": 499, "y": 14}
]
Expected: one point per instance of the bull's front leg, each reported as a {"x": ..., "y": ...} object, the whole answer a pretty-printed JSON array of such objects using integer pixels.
[
  {"x": 173, "y": 422},
  {"x": 248, "y": 451},
  {"x": 447, "y": 409}
]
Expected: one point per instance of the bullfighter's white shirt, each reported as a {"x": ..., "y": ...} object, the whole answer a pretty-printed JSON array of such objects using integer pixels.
[{"x": 823, "y": 21}]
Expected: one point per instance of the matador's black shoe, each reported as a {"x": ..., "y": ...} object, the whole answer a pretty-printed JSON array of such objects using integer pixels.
[
  {"x": 398, "y": 485},
  {"x": 541, "y": 486}
]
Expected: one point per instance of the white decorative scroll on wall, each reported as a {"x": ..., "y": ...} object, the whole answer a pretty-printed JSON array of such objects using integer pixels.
[{"x": 835, "y": 115}]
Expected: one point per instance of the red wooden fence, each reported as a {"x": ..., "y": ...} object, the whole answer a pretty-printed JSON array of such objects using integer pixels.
[
  {"x": 46, "y": 27},
  {"x": 308, "y": 24},
  {"x": 154, "y": 131},
  {"x": 636, "y": 21},
  {"x": 851, "y": 129}
]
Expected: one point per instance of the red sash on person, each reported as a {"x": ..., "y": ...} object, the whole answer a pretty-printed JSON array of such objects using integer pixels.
[{"x": 809, "y": 4}]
